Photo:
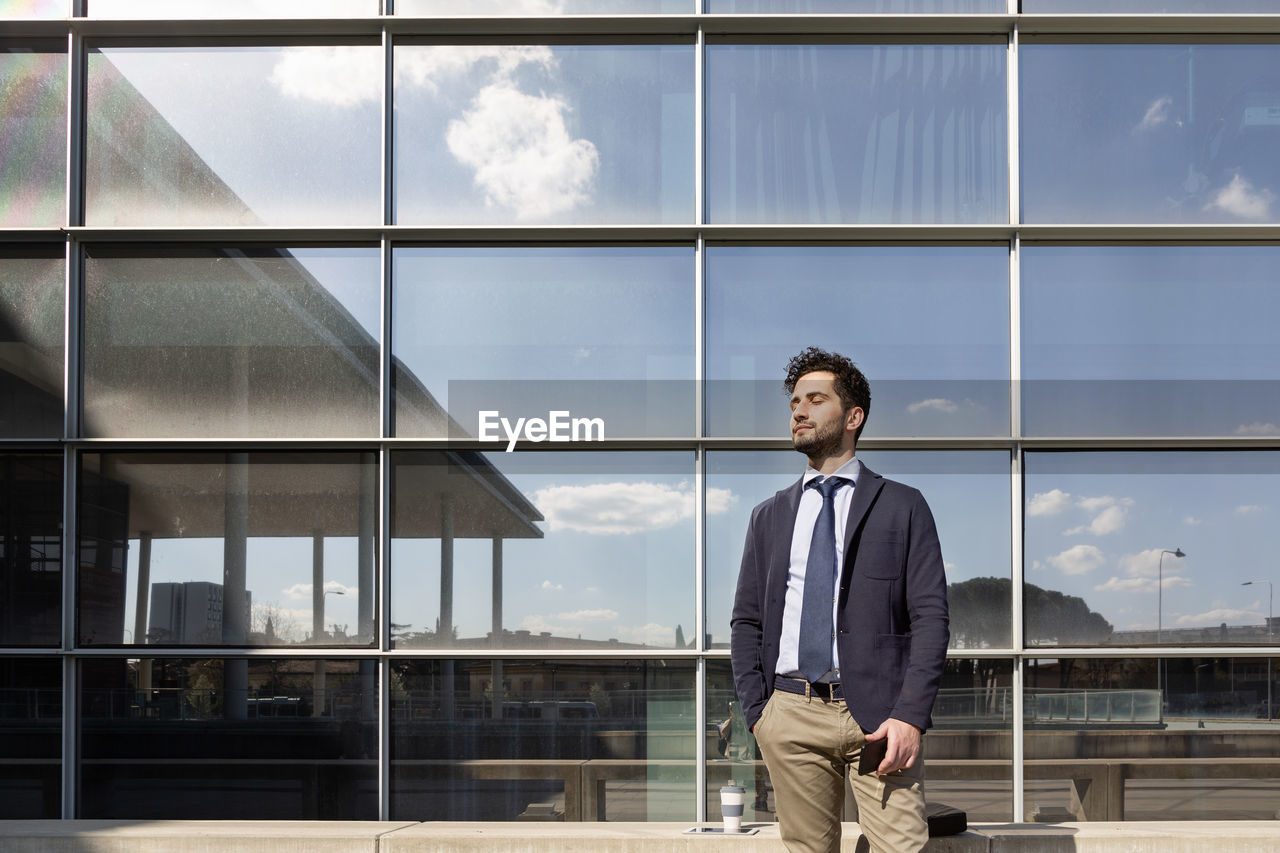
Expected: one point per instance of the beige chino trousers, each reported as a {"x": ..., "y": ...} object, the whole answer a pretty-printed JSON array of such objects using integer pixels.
[{"x": 808, "y": 745}]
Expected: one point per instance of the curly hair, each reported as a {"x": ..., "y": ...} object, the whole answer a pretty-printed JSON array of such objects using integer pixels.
[{"x": 851, "y": 385}]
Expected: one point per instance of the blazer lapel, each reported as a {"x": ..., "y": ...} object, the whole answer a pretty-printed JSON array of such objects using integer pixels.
[
  {"x": 784, "y": 524},
  {"x": 869, "y": 485}
]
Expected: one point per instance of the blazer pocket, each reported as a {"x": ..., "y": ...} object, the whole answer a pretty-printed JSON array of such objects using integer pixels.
[{"x": 882, "y": 554}]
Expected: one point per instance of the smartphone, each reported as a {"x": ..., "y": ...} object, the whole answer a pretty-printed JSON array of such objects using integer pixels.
[{"x": 873, "y": 752}]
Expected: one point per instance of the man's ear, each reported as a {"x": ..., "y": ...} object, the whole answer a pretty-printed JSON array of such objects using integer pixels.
[{"x": 854, "y": 419}]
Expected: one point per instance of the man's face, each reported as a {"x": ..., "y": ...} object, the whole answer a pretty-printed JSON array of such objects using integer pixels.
[{"x": 819, "y": 422}]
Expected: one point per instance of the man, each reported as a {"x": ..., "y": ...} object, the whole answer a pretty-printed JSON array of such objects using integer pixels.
[{"x": 839, "y": 628}]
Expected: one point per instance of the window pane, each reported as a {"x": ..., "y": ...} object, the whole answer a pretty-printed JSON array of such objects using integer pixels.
[
  {"x": 1197, "y": 7},
  {"x": 1149, "y": 132},
  {"x": 33, "y": 125},
  {"x": 593, "y": 550},
  {"x": 529, "y": 739},
  {"x": 34, "y": 8},
  {"x": 934, "y": 345},
  {"x": 544, "y": 134},
  {"x": 237, "y": 549},
  {"x": 856, "y": 133},
  {"x": 259, "y": 739},
  {"x": 31, "y": 333},
  {"x": 31, "y": 738},
  {"x": 603, "y": 332},
  {"x": 1150, "y": 340},
  {"x": 967, "y": 753},
  {"x": 30, "y": 549},
  {"x": 968, "y": 493},
  {"x": 892, "y": 7},
  {"x": 540, "y": 7},
  {"x": 232, "y": 8},
  {"x": 231, "y": 342},
  {"x": 1187, "y": 739},
  {"x": 183, "y": 136},
  {"x": 1104, "y": 539}
]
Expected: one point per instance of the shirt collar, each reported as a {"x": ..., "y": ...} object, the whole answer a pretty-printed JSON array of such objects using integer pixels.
[{"x": 849, "y": 470}]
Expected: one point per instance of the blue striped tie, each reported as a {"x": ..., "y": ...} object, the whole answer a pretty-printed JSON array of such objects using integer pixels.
[{"x": 816, "y": 632}]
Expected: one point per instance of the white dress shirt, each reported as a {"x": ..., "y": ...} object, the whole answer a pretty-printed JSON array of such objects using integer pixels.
[{"x": 801, "y": 536}]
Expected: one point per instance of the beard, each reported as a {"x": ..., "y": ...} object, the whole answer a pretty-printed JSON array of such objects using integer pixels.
[{"x": 822, "y": 441}]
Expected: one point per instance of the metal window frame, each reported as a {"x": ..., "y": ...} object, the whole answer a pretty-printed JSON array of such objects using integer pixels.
[{"x": 697, "y": 27}]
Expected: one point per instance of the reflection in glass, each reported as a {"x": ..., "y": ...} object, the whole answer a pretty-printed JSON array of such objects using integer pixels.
[
  {"x": 30, "y": 549},
  {"x": 968, "y": 493},
  {"x": 163, "y": 9},
  {"x": 968, "y": 749},
  {"x": 530, "y": 739},
  {"x": 1187, "y": 738},
  {"x": 927, "y": 324},
  {"x": 235, "y": 549},
  {"x": 526, "y": 134},
  {"x": 541, "y": 550},
  {"x": 231, "y": 342},
  {"x": 541, "y": 7},
  {"x": 33, "y": 128},
  {"x": 1150, "y": 340},
  {"x": 233, "y": 135},
  {"x": 1103, "y": 537},
  {"x": 256, "y": 739},
  {"x": 32, "y": 284},
  {"x": 856, "y": 133},
  {"x": 34, "y": 8},
  {"x": 1149, "y": 132},
  {"x": 882, "y": 7},
  {"x": 1198, "y": 7},
  {"x": 603, "y": 332},
  {"x": 31, "y": 738}
]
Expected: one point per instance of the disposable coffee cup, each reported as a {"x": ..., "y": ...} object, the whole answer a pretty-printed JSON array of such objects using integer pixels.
[{"x": 732, "y": 798}]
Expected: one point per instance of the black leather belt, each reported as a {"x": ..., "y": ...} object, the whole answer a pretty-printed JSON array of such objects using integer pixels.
[{"x": 829, "y": 692}]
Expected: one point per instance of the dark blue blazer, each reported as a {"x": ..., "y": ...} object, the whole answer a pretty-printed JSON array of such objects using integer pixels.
[{"x": 892, "y": 619}]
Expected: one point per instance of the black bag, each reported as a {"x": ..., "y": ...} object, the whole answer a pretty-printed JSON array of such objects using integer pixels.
[{"x": 945, "y": 820}]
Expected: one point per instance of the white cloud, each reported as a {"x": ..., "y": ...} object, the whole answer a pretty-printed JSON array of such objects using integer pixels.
[
  {"x": 341, "y": 75},
  {"x": 607, "y": 509},
  {"x": 522, "y": 153},
  {"x": 1239, "y": 198},
  {"x": 651, "y": 634},
  {"x": 1049, "y": 503},
  {"x": 1109, "y": 512},
  {"x": 1077, "y": 560},
  {"x": 603, "y": 614},
  {"x": 1258, "y": 428},
  {"x": 948, "y": 566},
  {"x": 1217, "y": 616},
  {"x": 1157, "y": 114},
  {"x": 719, "y": 500},
  {"x": 1145, "y": 564},
  {"x": 1143, "y": 584},
  {"x": 553, "y": 587},
  {"x": 429, "y": 67},
  {"x": 1192, "y": 521},
  {"x": 1115, "y": 584},
  {"x": 1109, "y": 520},
  {"x": 303, "y": 590},
  {"x": 1249, "y": 509},
  {"x": 936, "y": 404},
  {"x": 345, "y": 75},
  {"x": 1102, "y": 502}
]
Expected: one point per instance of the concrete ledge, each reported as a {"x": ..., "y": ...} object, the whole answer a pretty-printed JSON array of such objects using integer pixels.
[
  {"x": 194, "y": 836},
  {"x": 169, "y": 836}
]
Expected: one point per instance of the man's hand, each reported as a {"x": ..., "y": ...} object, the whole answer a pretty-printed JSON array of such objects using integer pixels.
[{"x": 903, "y": 746}]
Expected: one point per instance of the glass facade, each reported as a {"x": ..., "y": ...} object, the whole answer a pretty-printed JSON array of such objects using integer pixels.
[{"x": 403, "y": 381}]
